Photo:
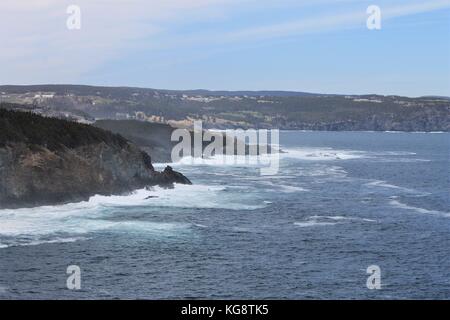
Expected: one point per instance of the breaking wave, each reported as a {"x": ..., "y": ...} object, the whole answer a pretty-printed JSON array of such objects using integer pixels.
[{"x": 70, "y": 222}]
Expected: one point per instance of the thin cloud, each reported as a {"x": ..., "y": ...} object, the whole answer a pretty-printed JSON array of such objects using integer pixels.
[
  {"x": 37, "y": 47},
  {"x": 329, "y": 22}
]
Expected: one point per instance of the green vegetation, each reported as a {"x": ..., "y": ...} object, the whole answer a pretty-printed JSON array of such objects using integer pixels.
[
  {"x": 51, "y": 133},
  {"x": 268, "y": 109}
]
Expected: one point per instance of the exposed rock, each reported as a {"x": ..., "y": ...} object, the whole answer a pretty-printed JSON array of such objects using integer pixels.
[
  {"x": 169, "y": 176},
  {"x": 35, "y": 174},
  {"x": 155, "y": 138}
]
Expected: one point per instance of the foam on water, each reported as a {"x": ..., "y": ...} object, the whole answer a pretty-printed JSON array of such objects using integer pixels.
[
  {"x": 322, "y": 154},
  {"x": 27, "y": 242},
  {"x": 401, "y": 205},
  {"x": 316, "y": 220},
  {"x": 199, "y": 196},
  {"x": 341, "y": 218},
  {"x": 64, "y": 223},
  {"x": 330, "y": 154},
  {"x": 400, "y": 160},
  {"x": 395, "y": 153},
  {"x": 322, "y": 171},
  {"x": 395, "y": 156},
  {"x": 185, "y": 196},
  {"x": 40, "y": 227},
  {"x": 313, "y": 224},
  {"x": 284, "y": 188},
  {"x": 225, "y": 160},
  {"x": 148, "y": 227},
  {"x": 147, "y": 231},
  {"x": 384, "y": 184}
]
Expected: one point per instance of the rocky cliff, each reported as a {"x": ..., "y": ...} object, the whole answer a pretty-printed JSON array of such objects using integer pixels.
[
  {"x": 155, "y": 138},
  {"x": 46, "y": 161}
]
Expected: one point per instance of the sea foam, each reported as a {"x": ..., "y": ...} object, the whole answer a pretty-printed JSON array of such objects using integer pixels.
[
  {"x": 401, "y": 205},
  {"x": 67, "y": 223}
]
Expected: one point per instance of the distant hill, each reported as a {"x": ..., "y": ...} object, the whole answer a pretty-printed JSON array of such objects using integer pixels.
[
  {"x": 240, "y": 109},
  {"x": 202, "y": 92},
  {"x": 90, "y": 90}
]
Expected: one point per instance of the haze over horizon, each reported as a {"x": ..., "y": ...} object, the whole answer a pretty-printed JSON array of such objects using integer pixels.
[
  {"x": 222, "y": 90},
  {"x": 305, "y": 46}
]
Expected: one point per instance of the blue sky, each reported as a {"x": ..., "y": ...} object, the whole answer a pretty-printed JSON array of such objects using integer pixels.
[{"x": 315, "y": 46}]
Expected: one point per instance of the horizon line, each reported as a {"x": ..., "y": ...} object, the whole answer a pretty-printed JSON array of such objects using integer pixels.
[{"x": 228, "y": 90}]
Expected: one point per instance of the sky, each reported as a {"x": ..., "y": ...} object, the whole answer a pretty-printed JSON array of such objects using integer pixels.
[{"x": 321, "y": 46}]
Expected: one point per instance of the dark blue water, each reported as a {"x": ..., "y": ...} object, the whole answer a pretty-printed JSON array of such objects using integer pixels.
[{"x": 340, "y": 203}]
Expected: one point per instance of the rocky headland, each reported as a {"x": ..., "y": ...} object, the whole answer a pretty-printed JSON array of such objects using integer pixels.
[{"x": 47, "y": 161}]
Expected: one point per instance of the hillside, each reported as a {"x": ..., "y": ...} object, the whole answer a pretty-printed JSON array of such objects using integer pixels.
[
  {"x": 243, "y": 109},
  {"x": 153, "y": 138},
  {"x": 54, "y": 134},
  {"x": 46, "y": 161}
]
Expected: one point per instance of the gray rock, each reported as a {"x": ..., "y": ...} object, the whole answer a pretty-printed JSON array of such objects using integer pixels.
[{"x": 84, "y": 161}]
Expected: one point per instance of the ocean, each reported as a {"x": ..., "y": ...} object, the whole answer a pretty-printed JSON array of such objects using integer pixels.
[{"x": 340, "y": 203}]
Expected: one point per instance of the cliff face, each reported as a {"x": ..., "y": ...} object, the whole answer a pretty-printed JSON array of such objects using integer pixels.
[
  {"x": 37, "y": 170},
  {"x": 426, "y": 121},
  {"x": 153, "y": 138}
]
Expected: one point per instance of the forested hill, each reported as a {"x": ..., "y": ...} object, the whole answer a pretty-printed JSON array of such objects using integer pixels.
[{"x": 243, "y": 109}]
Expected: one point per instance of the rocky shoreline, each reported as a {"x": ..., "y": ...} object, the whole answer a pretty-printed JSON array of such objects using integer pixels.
[{"x": 45, "y": 161}]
